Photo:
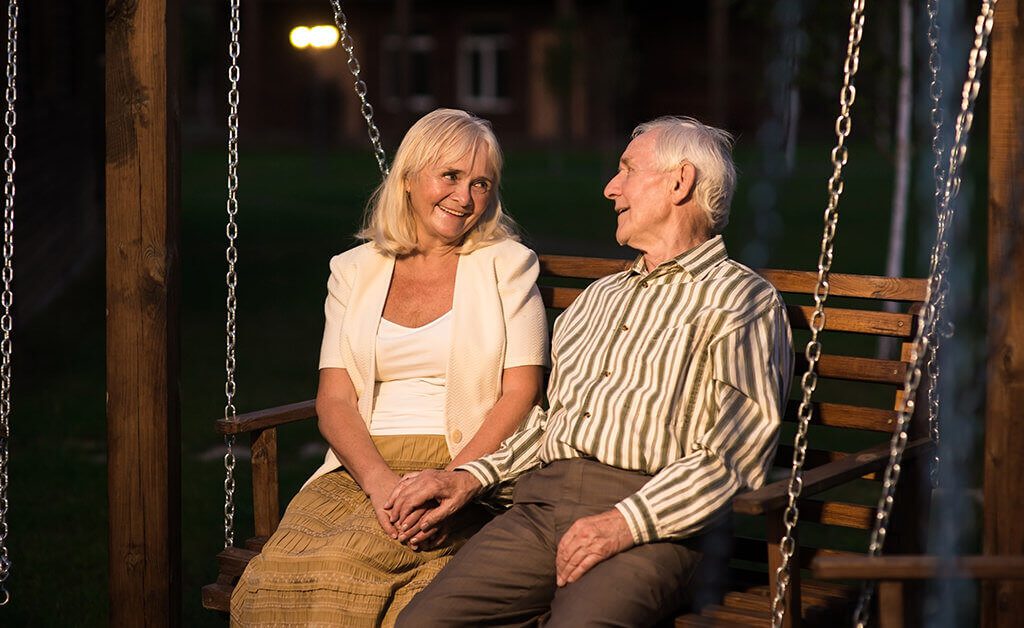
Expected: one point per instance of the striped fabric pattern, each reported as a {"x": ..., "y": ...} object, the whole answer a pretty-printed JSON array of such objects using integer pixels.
[{"x": 681, "y": 373}]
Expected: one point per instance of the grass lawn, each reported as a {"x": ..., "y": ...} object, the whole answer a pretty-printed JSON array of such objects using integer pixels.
[{"x": 297, "y": 210}]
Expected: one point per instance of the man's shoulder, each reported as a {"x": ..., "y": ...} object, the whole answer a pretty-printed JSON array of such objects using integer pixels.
[{"x": 745, "y": 285}]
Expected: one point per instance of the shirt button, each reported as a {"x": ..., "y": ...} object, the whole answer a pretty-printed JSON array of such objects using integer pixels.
[
  {"x": 643, "y": 284},
  {"x": 586, "y": 415},
  {"x": 624, "y": 327},
  {"x": 607, "y": 373},
  {"x": 456, "y": 436}
]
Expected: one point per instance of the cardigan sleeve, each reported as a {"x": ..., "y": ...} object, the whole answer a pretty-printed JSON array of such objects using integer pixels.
[
  {"x": 338, "y": 290},
  {"x": 526, "y": 330}
]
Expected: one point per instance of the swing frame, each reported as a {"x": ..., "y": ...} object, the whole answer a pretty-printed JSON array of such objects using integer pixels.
[
  {"x": 143, "y": 179},
  {"x": 820, "y": 603}
]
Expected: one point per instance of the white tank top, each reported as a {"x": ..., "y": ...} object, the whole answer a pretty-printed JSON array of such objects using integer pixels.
[{"x": 409, "y": 391}]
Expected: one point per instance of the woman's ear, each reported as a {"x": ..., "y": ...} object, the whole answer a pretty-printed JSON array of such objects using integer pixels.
[{"x": 683, "y": 182}]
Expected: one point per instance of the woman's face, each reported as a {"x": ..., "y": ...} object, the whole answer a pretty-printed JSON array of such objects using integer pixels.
[{"x": 447, "y": 199}]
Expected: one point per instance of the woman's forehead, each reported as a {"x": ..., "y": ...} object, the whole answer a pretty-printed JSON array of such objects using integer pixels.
[{"x": 466, "y": 157}]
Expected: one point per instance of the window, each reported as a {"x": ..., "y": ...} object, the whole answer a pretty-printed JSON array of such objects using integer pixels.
[
  {"x": 484, "y": 75},
  {"x": 419, "y": 85}
]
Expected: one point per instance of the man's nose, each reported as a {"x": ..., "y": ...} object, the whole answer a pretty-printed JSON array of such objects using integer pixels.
[{"x": 612, "y": 189}]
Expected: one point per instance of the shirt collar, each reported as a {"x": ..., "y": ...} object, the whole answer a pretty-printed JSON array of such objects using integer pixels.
[{"x": 695, "y": 262}]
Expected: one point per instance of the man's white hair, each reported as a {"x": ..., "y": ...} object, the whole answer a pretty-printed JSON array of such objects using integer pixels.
[{"x": 683, "y": 139}]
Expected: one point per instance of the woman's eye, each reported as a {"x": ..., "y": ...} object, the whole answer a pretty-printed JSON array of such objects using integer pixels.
[
  {"x": 449, "y": 176},
  {"x": 482, "y": 185}
]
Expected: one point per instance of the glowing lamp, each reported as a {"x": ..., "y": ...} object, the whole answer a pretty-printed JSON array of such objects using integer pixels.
[{"x": 319, "y": 37}]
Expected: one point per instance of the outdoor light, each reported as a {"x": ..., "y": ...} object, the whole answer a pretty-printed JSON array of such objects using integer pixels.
[{"x": 322, "y": 36}]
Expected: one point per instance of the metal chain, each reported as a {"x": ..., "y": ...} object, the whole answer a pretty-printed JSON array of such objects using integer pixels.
[
  {"x": 7, "y": 297},
  {"x": 360, "y": 87},
  {"x": 232, "y": 276},
  {"x": 809, "y": 381},
  {"x": 957, "y": 154},
  {"x": 941, "y": 262}
]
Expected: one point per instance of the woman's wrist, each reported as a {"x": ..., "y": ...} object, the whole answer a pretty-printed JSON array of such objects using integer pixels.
[{"x": 380, "y": 482}]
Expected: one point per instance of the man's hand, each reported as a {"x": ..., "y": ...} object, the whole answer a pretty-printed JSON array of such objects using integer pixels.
[
  {"x": 419, "y": 503},
  {"x": 589, "y": 541}
]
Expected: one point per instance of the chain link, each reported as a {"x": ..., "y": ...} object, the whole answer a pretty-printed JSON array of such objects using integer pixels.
[
  {"x": 809, "y": 381},
  {"x": 919, "y": 348},
  {"x": 940, "y": 262},
  {"x": 360, "y": 87},
  {"x": 232, "y": 276},
  {"x": 7, "y": 298}
]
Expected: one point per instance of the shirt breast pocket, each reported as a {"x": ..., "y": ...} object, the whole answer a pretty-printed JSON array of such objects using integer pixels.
[{"x": 667, "y": 350}]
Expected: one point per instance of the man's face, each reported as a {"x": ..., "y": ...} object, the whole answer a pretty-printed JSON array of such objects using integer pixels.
[{"x": 641, "y": 193}]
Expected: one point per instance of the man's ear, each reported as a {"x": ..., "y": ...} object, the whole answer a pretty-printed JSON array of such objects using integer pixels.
[{"x": 683, "y": 183}]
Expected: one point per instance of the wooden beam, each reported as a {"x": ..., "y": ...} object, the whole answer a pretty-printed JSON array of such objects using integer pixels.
[
  {"x": 143, "y": 426},
  {"x": 1003, "y": 602},
  {"x": 918, "y": 567}
]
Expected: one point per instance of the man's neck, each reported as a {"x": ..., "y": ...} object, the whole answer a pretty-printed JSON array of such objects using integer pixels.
[{"x": 671, "y": 250}]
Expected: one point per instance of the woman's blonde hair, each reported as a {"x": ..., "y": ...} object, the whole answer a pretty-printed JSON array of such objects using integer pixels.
[{"x": 442, "y": 136}]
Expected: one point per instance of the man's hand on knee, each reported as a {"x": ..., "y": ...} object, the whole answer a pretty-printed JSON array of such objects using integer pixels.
[
  {"x": 589, "y": 541},
  {"x": 418, "y": 504}
]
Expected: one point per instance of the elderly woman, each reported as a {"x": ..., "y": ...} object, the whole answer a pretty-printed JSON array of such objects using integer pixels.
[{"x": 432, "y": 354}]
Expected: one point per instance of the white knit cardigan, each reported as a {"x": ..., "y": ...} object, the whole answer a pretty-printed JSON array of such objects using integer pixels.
[{"x": 499, "y": 323}]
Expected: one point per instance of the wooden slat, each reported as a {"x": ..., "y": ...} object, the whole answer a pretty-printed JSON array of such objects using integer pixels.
[
  {"x": 580, "y": 267},
  {"x": 270, "y": 417},
  {"x": 816, "y": 589},
  {"x": 813, "y": 457},
  {"x": 255, "y": 543},
  {"x": 917, "y": 567},
  {"x": 855, "y": 369},
  {"x": 740, "y": 616},
  {"x": 232, "y": 560},
  {"x": 558, "y": 297},
  {"x": 217, "y": 597},
  {"x": 855, "y": 321},
  {"x": 844, "y": 415},
  {"x": 838, "y": 514},
  {"x": 756, "y": 550},
  {"x": 774, "y": 495},
  {"x": 836, "y": 319},
  {"x": 758, "y": 601},
  {"x": 692, "y": 620},
  {"x": 841, "y": 285}
]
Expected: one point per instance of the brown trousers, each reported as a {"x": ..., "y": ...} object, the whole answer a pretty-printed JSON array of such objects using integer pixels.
[{"x": 505, "y": 574}]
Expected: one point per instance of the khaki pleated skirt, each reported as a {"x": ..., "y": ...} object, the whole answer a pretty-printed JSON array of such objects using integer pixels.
[{"x": 331, "y": 564}]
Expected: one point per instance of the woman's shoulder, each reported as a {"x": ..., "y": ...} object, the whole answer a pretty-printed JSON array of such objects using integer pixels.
[
  {"x": 351, "y": 259},
  {"x": 507, "y": 250}
]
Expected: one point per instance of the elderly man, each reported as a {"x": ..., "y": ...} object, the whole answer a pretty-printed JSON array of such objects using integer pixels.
[{"x": 665, "y": 396}]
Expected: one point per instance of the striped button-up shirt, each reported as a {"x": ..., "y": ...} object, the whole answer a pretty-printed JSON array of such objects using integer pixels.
[{"x": 681, "y": 373}]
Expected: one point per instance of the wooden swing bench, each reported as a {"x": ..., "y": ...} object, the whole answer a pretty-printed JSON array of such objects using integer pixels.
[{"x": 840, "y": 485}]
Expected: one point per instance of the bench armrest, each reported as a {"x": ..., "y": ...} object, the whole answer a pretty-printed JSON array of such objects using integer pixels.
[
  {"x": 270, "y": 417},
  {"x": 775, "y": 496}
]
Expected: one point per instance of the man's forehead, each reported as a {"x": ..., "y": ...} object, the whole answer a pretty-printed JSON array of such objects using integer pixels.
[{"x": 639, "y": 149}]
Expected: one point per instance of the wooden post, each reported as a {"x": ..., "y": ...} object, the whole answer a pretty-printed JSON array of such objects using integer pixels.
[
  {"x": 266, "y": 510},
  {"x": 143, "y": 426},
  {"x": 1003, "y": 602}
]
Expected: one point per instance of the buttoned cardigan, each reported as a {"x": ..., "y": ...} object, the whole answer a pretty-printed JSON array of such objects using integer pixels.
[{"x": 499, "y": 322}]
